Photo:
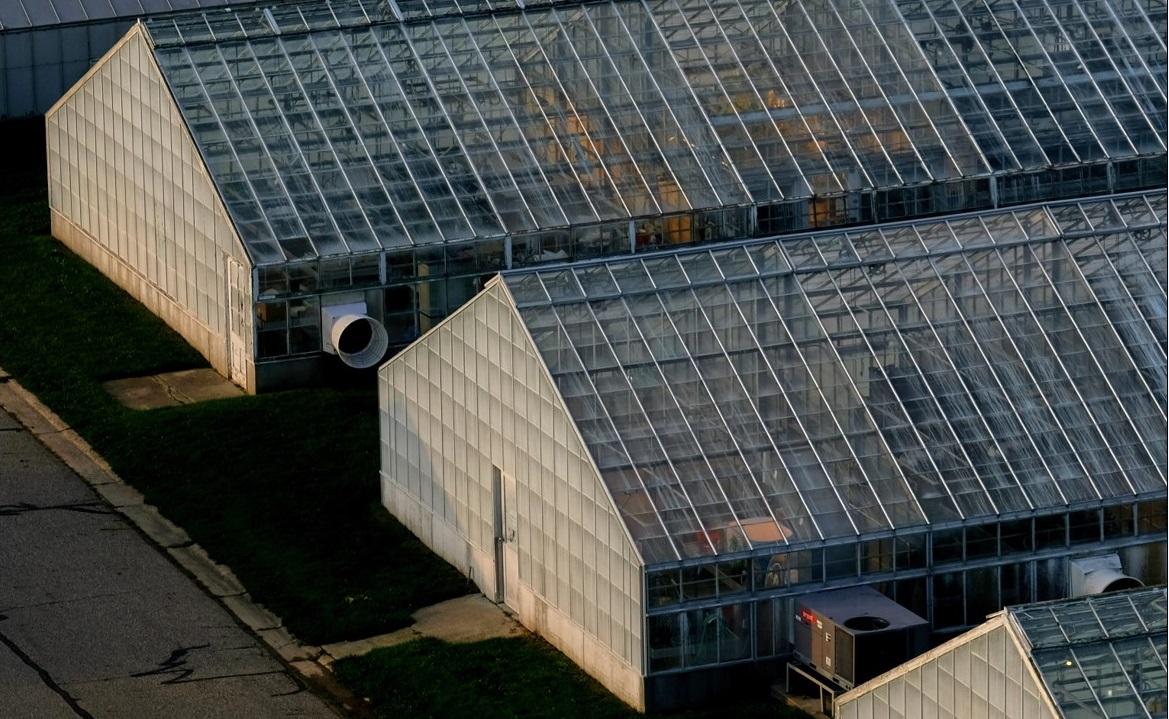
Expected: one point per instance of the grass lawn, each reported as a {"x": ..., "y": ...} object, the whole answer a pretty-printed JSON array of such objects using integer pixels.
[
  {"x": 500, "y": 678},
  {"x": 282, "y": 487}
]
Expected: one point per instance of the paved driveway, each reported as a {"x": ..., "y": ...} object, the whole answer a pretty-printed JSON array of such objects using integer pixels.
[{"x": 96, "y": 622}]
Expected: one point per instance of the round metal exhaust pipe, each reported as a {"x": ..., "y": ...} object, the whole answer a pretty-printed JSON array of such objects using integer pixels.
[
  {"x": 1099, "y": 574},
  {"x": 1109, "y": 580},
  {"x": 357, "y": 339},
  {"x": 360, "y": 340}
]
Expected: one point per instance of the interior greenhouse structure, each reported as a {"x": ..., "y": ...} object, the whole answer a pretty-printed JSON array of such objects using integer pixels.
[
  {"x": 1094, "y": 656},
  {"x": 288, "y": 181},
  {"x": 651, "y": 458}
]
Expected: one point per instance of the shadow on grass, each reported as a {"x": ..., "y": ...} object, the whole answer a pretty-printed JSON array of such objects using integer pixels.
[
  {"x": 283, "y": 488},
  {"x": 500, "y": 678}
]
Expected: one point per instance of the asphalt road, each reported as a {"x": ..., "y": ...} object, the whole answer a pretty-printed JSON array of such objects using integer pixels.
[{"x": 97, "y": 622}]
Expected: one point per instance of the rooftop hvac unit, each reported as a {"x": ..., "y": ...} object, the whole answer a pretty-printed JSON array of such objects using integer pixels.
[
  {"x": 852, "y": 635},
  {"x": 1098, "y": 574},
  {"x": 348, "y": 332}
]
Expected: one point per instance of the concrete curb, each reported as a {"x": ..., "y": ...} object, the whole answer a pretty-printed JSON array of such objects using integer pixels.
[{"x": 217, "y": 579}]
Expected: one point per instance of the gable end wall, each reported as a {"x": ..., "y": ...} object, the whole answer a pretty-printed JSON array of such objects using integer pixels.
[
  {"x": 981, "y": 674},
  {"x": 472, "y": 395},
  {"x": 129, "y": 193}
]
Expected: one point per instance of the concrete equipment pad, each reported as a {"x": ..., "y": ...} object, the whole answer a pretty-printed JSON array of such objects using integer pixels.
[
  {"x": 472, "y": 618},
  {"x": 171, "y": 389}
]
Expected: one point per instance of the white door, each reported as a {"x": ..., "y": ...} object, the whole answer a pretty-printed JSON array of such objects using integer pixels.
[
  {"x": 511, "y": 562},
  {"x": 507, "y": 568},
  {"x": 238, "y": 292}
]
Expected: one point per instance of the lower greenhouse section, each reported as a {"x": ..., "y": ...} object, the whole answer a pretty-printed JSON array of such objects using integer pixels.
[{"x": 701, "y": 618}]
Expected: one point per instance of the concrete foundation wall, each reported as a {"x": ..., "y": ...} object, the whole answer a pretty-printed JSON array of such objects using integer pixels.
[
  {"x": 709, "y": 685},
  {"x": 293, "y": 373},
  {"x": 129, "y": 193}
]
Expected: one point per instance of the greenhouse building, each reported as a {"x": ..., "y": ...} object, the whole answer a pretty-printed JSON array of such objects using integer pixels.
[
  {"x": 47, "y": 45},
  {"x": 1099, "y": 656},
  {"x": 649, "y": 458},
  {"x": 295, "y": 186}
]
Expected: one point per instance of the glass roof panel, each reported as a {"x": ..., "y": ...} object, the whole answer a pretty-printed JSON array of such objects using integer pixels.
[
  {"x": 563, "y": 286},
  {"x": 339, "y": 126},
  {"x": 596, "y": 281},
  {"x": 1013, "y": 372},
  {"x": 666, "y": 272},
  {"x": 1100, "y": 655}
]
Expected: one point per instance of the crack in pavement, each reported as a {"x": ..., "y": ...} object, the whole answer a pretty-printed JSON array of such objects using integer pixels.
[
  {"x": 176, "y": 664},
  {"x": 11, "y": 510},
  {"x": 44, "y": 675}
]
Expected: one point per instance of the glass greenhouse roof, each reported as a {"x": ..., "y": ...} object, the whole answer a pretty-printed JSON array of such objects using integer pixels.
[
  {"x": 24, "y": 14},
  {"x": 1104, "y": 655},
  {"x": 838, "y": 384},
  {"x": 345, "y": 126}
]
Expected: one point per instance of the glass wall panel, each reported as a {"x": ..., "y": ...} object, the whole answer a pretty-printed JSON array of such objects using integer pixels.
[
  {"x": 911, "y": 553},
  {"x": 877, "y": 556},
  {"x": 791, "y": 568},
  {"x": 1051, "y": 531},
  {"x": 734, "y": 577},
  {"x": 699, "y": 582},
  {"x": 703, "y": 631},
  {"x": 948, "y": 608},
  {"x": 735, "y": 641},
  {"x": 1051, "y": 580},
  {"x": 664, "y": 588},
  {"x": 947, "y": 546},
  {"x": 1151, "y": 517},
  {"x": 1015, "y": 580},
  {"x": 982, "y": 594},
  {"x": 981, "y": 541},
  {"x": 1016, "y": 537},
  {"x": 912, "y": 594},
  {"x": 1084, "y": 526},
  {"x": 769, "y": 616},
  {"x": 1118, "y": 521},
  {"x": 665, "y": 642},
  {"x": 840, "y": 561}
]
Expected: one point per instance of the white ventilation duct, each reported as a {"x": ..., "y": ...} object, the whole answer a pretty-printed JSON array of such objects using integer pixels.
[
  {"x": 348, "y": 332},
  {"x": 1098, "y": 574}
]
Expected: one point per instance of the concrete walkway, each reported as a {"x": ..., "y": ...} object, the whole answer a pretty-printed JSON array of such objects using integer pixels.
[
  {"x": 466, "y": 619},
  {"x": 97, "y": 622}
]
